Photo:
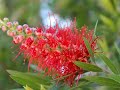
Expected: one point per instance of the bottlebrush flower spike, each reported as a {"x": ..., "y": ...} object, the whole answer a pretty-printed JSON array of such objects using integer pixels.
[{"x": 53, "y": 49}]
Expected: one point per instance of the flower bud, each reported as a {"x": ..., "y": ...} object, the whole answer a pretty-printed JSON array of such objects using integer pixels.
[
  {"x": 34, "y": 29},
  {"x": 28, "y": 31},
  {"x": 19, "y": 28},
  {"x": 38, "y": 32},
  {"x": 9, "y": 24},
  {"x": 15, "y": 23},
  {"x": 25, "y": 26},
  {"x": 11, "y": 33},
  {"x": 6, "y": 20},
  {"x": 4, "y": 28},
  {"x": 18, "y": 39},
  {"x": 15, "y": 39},
  {"x": 1, "y": 23}
]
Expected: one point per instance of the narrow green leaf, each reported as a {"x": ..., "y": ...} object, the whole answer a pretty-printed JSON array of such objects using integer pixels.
[
  {"x": 118, "y": 49},
  {"x": 103, "y": 81},
  {"x": 18, "y": 89},
  {"x": 88, "y": 47},
  {"x": 95, "y": 28},
  {"x": 60, "y": 78},
  {"x": 115, "y": 77},
  {"x": 109, "y": 63},
  {"x": 24, "y": 81},
  {"x": 88, "y": 67},
  {"x": 30, "y": 79},
  {"x": 35, "y": 77}
]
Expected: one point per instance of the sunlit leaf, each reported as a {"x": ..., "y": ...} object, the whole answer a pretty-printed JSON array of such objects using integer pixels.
[
  {"x": 42, "y": 87},
  {"x": 27, "y": 88}
]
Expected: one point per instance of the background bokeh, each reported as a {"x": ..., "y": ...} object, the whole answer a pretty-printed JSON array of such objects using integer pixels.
[{"x": 36, "y": 12}]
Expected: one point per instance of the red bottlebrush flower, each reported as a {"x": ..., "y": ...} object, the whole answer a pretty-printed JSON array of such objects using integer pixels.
[
  {"x": 54, "y": 49},
  {"x": 57, "y": 49}
]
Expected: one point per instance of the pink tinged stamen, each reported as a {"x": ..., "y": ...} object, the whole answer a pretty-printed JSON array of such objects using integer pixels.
[{"x": 17, "y": 56}]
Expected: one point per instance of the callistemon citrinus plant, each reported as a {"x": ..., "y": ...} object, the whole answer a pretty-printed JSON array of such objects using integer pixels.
[{"x": 53, "y": 49}]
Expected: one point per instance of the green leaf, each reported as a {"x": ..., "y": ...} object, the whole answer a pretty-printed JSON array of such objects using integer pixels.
[
  {"x": 18, "y": 89},
  {"x": 60, "y": 78},
  {"x": 118, "y": 49},
  {"x": 109, "y": 63},
  {"x": 88, "y": 67},
  {"x": 59, "y": 86},
  {"x": 115, "y": 77},
  {"x": 95, "y": 28},
  {"x": 24, "y": 81},
  {"x": 88, "y": 47},
  {"x": 82, "y": 83},
  {"x": 30, "y": 79},
  {"x": 103, "y": 81}
]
